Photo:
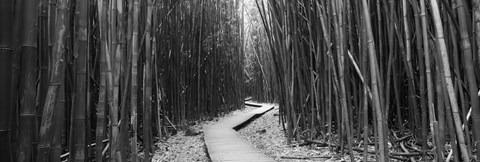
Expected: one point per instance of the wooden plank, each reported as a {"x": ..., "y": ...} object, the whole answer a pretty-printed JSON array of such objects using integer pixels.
[
  {"x": 224, "y": 143},
  {"x": 253, "y": 104}
]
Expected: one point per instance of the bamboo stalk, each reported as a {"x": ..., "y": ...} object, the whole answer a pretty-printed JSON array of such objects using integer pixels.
[
  {"x": 124, "y": 37},
  {"x": 44, "y": 52},
  {"x": 78, "y": 128},
  {"x": 102, "y": 94},
  {"x": 113, "y": 69},
  {"x": 28, "y": 51},
  {"x": 134, "y": 90},
  {"x": 430, "y": 90},
  {"x": 56, "y": 78},
  {"x": 6, "y": 51},
  {"x": 476, "y": 20},
  {"x": 470, "y": 74},
  {"x": 375, "y": 91},
  {"x": 147, "y": 107},
  {"x": 448, "y": 79},
  {"x": 59, "y": 120},
  {"x": 341, "y": 65}
]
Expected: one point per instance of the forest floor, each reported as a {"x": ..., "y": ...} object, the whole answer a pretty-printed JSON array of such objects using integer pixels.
[
  {"x": 266, "y": 134},
  {"x": 185, "y": 147}
]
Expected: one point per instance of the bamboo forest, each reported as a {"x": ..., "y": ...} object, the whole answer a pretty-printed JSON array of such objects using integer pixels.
[{"x": 239, "y": 80}]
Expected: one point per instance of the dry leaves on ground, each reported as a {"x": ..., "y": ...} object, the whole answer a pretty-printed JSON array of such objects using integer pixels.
[
  {"x": 184, "y": 148},
  {"x": 266, "y": 134}
]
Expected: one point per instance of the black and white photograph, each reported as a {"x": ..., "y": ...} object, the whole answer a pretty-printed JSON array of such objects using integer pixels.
[{"x": 239, "y": 80}]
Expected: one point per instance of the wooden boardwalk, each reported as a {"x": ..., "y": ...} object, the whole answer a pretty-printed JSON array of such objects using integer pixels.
[{"x": 224, "y": 143}]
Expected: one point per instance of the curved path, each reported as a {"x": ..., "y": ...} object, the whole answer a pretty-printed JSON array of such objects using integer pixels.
[{"x": 224, "y": 143}]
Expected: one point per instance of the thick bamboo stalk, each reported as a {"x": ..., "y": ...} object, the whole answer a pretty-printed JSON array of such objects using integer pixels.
[
  {"x": 56, "y": 79},
  {"x": 113, "y": 72},
  {"x": 44, "y": 52},
  {"x": 102, "y": 94},
  {"x": 6, "y": 50},
  {"x": 470, "y": 74},
  {"x": 147, "y": 92},
  {"x": 450, "y": 122},
  {"x": 134, "y": 77},
  {"x": 15, "y": 78},
  {"x": 124, "y": 14},
  {"x": 157, "y": 92},
  {"x": 430, "y": 90},
  {"x": 59, "y": 125},
  {"x": 78, "y": 148},
  {"x": 364, "y": 64},
  {"x": 448, "y": 79},
  {"x": 29, "y": 55}
]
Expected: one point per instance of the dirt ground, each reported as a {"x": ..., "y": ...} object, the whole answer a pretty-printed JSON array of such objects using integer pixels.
[
  {"x": 265, "y": 133},
  {"x": 183, "y": 148}
]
